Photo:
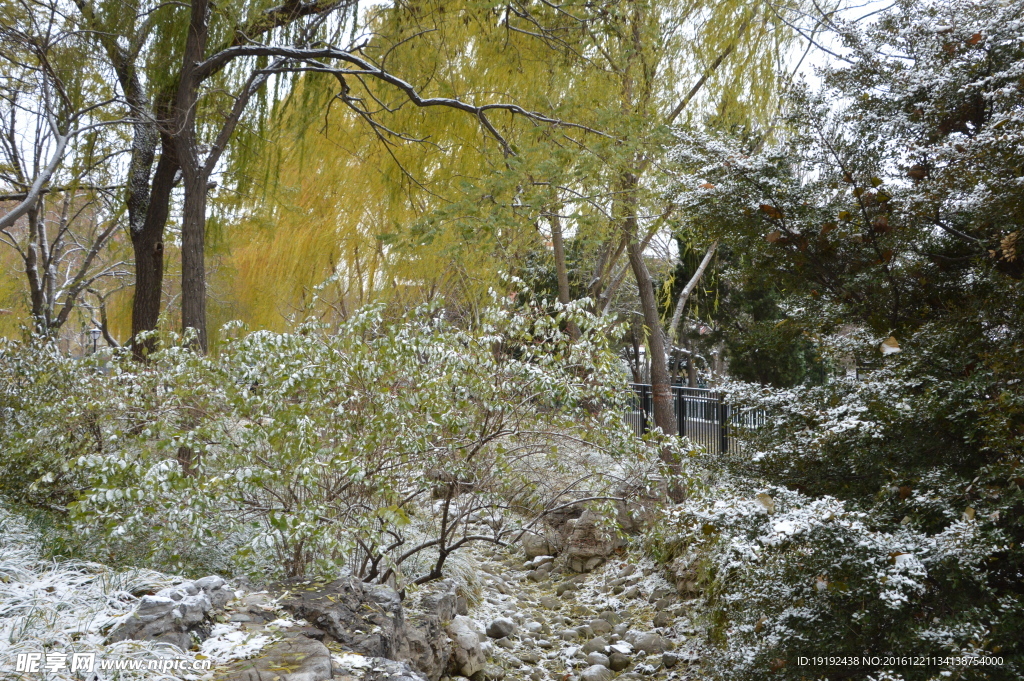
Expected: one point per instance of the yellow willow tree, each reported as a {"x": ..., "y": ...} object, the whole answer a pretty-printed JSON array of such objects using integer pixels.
[{"x": 395, "y": 205}]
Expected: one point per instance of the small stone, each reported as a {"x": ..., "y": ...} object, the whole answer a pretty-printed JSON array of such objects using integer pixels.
[
  {"x": 595, "y": 644},
  {"x": 592, "y": 563},
  {"x": 530, "y": 656},
  {"x": 631, "y": 592},
  {"x": 620, "y": 629},
  {"x": 627, "y": 570},
  {"x": 533, "y": 627},
  {"x": 568, "y": 635},
  {"x": 662, "y": 604},
  {"x": 544, "y": 643},
  {"x": 663, "y": 619},
  {"x": 618, "y": 589},
  {"x": 618, "y": 661},
  {"x": 598, "y": 659},
  {"x": 550, "y": 602},
  {"x": 239, "y": 617},
  {"x": 611, "y": 617},
  {"x": 505, "y": 643},
  {"x": 501, "y": 628},
  {"x": 564, "y": 587},
  {"x": 669, "y": 660},
  {"x": 585, "y": 631},
  {"x": 536, "y": 675},
  {"x": 645, "y": 669},
  {"x": 596, "y": 673},
  {"x": 600, "y": 626}
]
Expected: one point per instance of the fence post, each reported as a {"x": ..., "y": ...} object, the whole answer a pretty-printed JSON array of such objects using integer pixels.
[{"x": 723, "y": 425}]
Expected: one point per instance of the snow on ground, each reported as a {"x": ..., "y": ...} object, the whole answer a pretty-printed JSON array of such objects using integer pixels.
[{"x": 51, "y": 609}]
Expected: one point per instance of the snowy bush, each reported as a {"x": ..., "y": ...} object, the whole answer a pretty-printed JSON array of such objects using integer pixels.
[
  {"x": 888, "y": 220},
  {"x": 378, "y": 448},
  {"x": 785, "y": 576}
]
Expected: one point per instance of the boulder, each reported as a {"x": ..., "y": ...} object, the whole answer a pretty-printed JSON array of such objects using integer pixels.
[
  {"x": 426, "y": 646},
  {"x": 176, "y": 614},
  {"x": 589, "y": 544},
  {"x": 536, "y": 544},
  {"x": 599, "y": 659},
  {"x": 366, "y": 619},
  {"x": 467, "y": 658},
  {"x": 295, "y": 658}
]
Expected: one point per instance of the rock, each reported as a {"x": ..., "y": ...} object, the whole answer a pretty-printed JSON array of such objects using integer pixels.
[
  {"x": 505, "y": 643},
  {"x": 550, "y": 602},
  {"x": 600, "y": 626},
  {"x": 501, "y": 628},
  {"x": 618, "y": 661},
  {"x": 565, "y": 587},
  {"x": 663, "y": 619},
  {"x": 568, "y": 635},
  {"x": 638, "y": 507},
  {"x": 467, "y": 657},
  {"x": 372, "y": 669},
  {"x": 426, "y": 646},
  {"x": 631, "y": 592},
  {"x": 295, "y": 658},
  {"x": 620, "y": 629},
  {"x": 649, "y": 642},
  {"x": 597, "y": 644},
  {"x": 599, "y": 659},
  {"x": 611, "y": 617},
  {"x": 530, "y": 656},
  {"x": 621, "y": 647},
  {"x": 535, "y": 544},
  {"x": 491, "y": 672},
  {"x": 669, "y": 660},
  {"x": 313, "y": 633},
  {"x": 176, "y": 614},
  {"x": 364, "y": 618},
  {"x": 544, "y": 643},
  {"x": 596, "y": 673},
  {"x": 588, "y": 545}
]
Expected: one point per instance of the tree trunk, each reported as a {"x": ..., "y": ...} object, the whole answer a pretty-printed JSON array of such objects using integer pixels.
[
  {"x": 661, "y": 385},
  {"x": 194, "y": 174},
  {"x": 193, "y": 265},
  {"x": 561, "y": 271},
  {"x": 148, "y": 246}
]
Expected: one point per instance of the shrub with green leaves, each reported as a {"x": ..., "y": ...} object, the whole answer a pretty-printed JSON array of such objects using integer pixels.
[{"x": 378, "y": 448}]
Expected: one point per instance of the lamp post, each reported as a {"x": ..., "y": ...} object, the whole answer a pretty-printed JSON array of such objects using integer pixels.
[{"x": 95, "y": 335}]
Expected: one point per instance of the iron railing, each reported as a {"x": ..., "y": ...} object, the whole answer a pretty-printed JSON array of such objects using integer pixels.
[{"x": 701, "y": 415}]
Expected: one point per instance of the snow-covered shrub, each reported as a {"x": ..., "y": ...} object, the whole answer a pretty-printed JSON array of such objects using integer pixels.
[
  {"x": 380, "y": 448},
  {"x": 784, "y": 576},
  {"x": 888, "y": 221}
]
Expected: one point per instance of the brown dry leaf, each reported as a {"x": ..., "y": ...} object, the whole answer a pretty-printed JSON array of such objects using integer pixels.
[
  {"x": 890, "y": 346},
  {"x": 772, "y": 237},
  {"x": 772, "y": 212}
]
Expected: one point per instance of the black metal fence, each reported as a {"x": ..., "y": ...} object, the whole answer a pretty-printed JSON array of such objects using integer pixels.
[{"x": 701, "y": 415}]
